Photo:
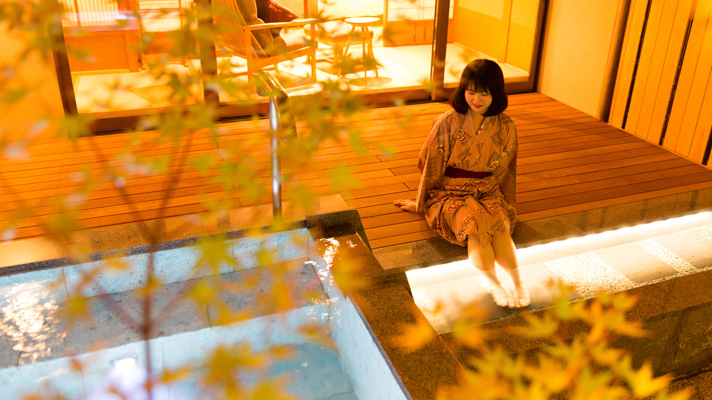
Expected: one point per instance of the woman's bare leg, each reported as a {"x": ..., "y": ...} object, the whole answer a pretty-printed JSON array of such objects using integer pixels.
[
  {"x": 483, "y": 259},
  {"x": 506, "y": 256}
]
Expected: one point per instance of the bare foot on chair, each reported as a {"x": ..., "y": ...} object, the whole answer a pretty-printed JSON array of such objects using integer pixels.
[
  {"x": 500, "y": 296},
  {"x": 520, "y": 297}
]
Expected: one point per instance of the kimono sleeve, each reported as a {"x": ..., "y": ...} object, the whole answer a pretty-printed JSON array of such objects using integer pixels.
[
  {"x": 509, "y": 179},
  {"x": 433, "y": 159}
]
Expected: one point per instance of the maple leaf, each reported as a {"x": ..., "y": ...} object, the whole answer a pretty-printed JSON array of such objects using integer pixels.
[
  {"x": 536, "y": 327},
  {"x": 475, "y": 385},
  {"x": 606, "y": 356},
  {"x": 342, "y": 181},
  {"x": 346, "y": 275},
  {"x": 270, "y": 390},
  {"x": 550, "y": 372},
  {"x": 644, "y": 384},
  {"x": 203, "y": 294},
  {"x": 414, "y": 336},
  {"x": 173, "y": 375},
  {"x": 76, "y": 309},
  {"x": 467, "y": 329},
  {"x": 215, "y": 251}
]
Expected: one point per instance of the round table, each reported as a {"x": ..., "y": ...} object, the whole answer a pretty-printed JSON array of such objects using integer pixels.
[{"x": 366, "y": 40}]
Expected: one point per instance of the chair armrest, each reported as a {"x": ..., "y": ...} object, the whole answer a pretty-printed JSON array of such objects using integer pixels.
[{"x": 294, "y": 23}]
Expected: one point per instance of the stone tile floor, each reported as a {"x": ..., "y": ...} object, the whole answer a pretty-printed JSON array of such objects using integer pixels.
[{"x": 615, "y": 261}]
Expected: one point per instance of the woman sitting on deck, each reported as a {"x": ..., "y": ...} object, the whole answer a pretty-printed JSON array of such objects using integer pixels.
[{"x": 468, "y": 172}]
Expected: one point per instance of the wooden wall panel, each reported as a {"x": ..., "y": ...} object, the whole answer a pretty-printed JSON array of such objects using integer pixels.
[
  {"x": 653, "y": 58},
  {"x": 655, "y": 28},
  {"x": 685, "y": 92},
  {"x": 636, "y": 19},
  {"x": 652, "y": 119},
  {"x": 664, "y": 87},
  {"x": 700, "y": 127}
]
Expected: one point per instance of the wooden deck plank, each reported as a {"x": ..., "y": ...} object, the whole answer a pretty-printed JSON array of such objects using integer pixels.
[{"x": 568, "y": 162}]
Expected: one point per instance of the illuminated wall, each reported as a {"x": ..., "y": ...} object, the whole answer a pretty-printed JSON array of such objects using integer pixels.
[
  {"x": 579, "y": 55},
  {"x": 17, "y": 120}
]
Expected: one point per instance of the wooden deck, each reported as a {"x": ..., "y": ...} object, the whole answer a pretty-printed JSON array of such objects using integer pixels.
[{"x": 568, "y": 162}]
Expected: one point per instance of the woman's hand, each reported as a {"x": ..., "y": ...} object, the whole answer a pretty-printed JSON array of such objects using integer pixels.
[{"x": 405, "y": 205}]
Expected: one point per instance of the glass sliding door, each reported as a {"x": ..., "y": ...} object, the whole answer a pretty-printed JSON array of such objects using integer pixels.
[
  {"x": 128, "y": 55},
  {"x": 133, "y": 57}
]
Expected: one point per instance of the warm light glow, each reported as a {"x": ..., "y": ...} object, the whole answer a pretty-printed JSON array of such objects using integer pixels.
[
  {"x": 30, "y": 320},
  {"x": 442, "y": 290},
  {"x": 616, "y": 237}
]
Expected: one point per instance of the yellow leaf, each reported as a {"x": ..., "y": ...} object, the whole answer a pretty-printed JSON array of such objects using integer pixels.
[
  {"x": 537, "y": 327},
  {"x": 150, "y": 288},
  {"x": 174, "y": 375},
  {"x": 318, "y": 333},
  {"x": 644, "y": 384},
  {"x": 76, "y": 365},
  {"x": 117, "y": 264},
  {"x": 346, "y": 275},
  {"x": 632, "y": 329},
  {"x": 203, "y": 294},
  {"x": 550, "y": 372},
  {"x": 606, "y": 356},
  {"x": 270, "y": 390},
  {"x": 414, "y": 336},
  {"x": 475, "y": 385},
  {"x": 77, "y": 309},
  {"x": 214, "y": 252},
  {"x": 281, "y": 298},
  {"x": 467, "y": 329},
  {"x": 623, "y": 301}
]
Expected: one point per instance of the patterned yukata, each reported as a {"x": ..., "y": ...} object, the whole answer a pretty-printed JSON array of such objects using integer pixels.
[{"x": 458, "y": 207}]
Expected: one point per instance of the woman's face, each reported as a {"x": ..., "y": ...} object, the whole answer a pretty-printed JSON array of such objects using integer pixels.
[{"x": 478, "y": 100}]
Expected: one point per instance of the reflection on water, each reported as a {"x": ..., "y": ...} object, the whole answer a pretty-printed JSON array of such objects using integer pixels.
[{"x": 30, "y": 320}]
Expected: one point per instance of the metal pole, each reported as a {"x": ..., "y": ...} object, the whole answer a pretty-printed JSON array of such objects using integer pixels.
[
  {"x": 282, "y": 128},
  {"x": 276, "y": 170}
]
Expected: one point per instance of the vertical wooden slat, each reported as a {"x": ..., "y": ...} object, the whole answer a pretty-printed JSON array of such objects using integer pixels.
[
  {"x": 689, "y": 65},
  {"x": 653, "y": 118},
  {"x": 636, "y": 19},
  {"x": 696, "y": 127},
  {"x": 655, "y": 28}
]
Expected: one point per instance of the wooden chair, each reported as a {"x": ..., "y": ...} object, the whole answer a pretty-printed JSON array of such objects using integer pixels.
[{"x": 248, "y": 37}]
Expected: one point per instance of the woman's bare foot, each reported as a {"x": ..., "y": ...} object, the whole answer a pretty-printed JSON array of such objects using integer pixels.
[
  {"x": 520, "y": 297},
  {"x": 500, "y": 296},
  {"x": 405, "y": 204}
]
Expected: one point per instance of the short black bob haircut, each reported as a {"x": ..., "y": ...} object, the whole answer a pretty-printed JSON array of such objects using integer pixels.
[{"x": 481, "y": 74}]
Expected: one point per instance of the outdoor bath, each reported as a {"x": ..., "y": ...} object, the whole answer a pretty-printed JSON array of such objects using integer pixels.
[{"x": 40, "y": 351}]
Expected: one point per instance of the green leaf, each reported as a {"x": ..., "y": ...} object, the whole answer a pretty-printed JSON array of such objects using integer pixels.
[
  {"x": 76, "y": 126},
  {"x": 341, "y": 181}
]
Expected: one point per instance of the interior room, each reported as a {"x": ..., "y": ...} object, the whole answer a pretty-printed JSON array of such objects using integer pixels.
[{"x": 104, "y": 51}]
